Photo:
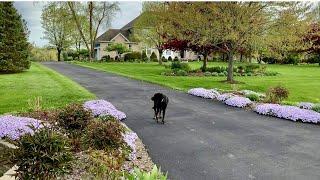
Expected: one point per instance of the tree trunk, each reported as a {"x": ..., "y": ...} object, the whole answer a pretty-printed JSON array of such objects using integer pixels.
[
  {"x": 205, "y": 60},
  {"x": 59, "y": 54},
  {"x": 160, "y": 53},
  {"x": 230, "y": 67},
  {"x": 90, "y": 29},
  {"x": 241, "y": 57}
]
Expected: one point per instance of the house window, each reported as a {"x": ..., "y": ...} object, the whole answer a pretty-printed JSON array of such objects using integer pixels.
[{"x": 130, "y": 46}]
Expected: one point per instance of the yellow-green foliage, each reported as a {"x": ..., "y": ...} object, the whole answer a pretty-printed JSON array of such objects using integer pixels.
[{"x": 43, "y": 54}]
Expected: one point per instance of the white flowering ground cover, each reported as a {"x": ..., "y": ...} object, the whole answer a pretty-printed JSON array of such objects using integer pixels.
[
  {"x": 288, "y": 112},
  {"x": 104, "y": 108},
  {"x": 300, "y": 112},
  {"x": 238, "y": 101},
  {"x": 204, "y": 93},
  {"x": 13, "y": 127}
]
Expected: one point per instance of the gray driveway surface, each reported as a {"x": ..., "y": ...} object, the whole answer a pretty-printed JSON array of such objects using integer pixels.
[{"x": 204, "y": 139}]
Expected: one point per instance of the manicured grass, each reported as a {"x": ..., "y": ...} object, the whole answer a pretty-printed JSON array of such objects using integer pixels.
[
  {"x": 55, "y": 90},
  {"x": 303, "y": 81}
]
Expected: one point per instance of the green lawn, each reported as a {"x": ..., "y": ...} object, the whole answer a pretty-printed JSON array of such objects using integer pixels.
[
  {"x": 55, "y": 90},
  {"x": 303, "y": 82}
]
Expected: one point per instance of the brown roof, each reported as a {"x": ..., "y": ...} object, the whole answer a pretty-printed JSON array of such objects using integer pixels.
[{"x": 111, "y": 33}]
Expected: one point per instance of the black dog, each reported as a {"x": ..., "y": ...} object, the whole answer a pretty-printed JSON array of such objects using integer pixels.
[{"x": 160, "y": 104}]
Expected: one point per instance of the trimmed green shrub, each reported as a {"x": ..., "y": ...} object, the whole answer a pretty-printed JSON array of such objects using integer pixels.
[
  {"x": 169, "y": 58},
  {"x": 14, "y": 46},
  {"x": 176, "y": 59},
  {"x": 44, "y": 155},
  {"x": 163, "y": 59},
  {"x": 179, "y": 65},
  {"x": 291, "y": 59},
  {"x": 221, "y": 74},
  {"x": 154, "y": 57},
  {"x": 103, "y": 135},
  {"x": 132, "y": 56},
  {"x": 74, "y": 118},
  {"x": 181, "y": 73},
  {"x": 253, "y": 97},
  {"x": 277, "y": 94}
]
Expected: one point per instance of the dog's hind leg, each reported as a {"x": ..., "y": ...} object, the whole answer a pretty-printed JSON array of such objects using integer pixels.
[{"x": 163, "y": 114}]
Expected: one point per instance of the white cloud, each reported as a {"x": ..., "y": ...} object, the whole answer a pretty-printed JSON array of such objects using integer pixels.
[{"x": 31, "y": 12}]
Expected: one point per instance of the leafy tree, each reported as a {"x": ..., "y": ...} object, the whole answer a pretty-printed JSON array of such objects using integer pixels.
[
  {"x": 57, "y": 31},
  {"x": 150, "y": 27},
  {"x": 118, "y": 47},
  {"x": 98, "y": 14},
  {"x": 14, "y": 49}
]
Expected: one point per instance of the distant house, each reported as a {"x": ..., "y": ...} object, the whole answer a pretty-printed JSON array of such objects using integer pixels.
[{"x": 125, "y": 37}]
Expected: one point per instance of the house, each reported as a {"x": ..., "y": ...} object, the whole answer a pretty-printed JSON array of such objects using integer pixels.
[{"x": 124, "y": 36}]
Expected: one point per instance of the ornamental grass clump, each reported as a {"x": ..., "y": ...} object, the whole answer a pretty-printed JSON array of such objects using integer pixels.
[
  {"x": 238, "y": 101},
  {"x": 103, "y": 135},
  {"x": 13, "y": 127},
  {"x": 104, "y": 108},
  {"x": 276, "y": 94},
  {"x": 44, "y": 155},
  {"x": 288, "y": 112},
  {"x": 74, "y": 118},
  {"x": 204, "y": 93}
]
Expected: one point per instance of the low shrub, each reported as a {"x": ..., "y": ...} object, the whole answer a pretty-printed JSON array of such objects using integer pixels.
[
  {"x": 179, "y": 65},
  {"x": 74, "y": 118},
  {"x": 253, "y": 97},
  {"x": 102, "y": 135},
  {"x": 163, "y": 59},
  {"x": 169, "y": 58},
  {"x": 154, "y": 57},
  {"x": 144, "y": 56},
  {"x": 142, "y": 175},
  {"x": 221, "y": 74},
  {"x": 207, "y": 73},
  {"x": 45, "y": 155},
  {"x": 204, "y": 93},
  {"x": 104, "y": 165},
  {"x": 251, "y": 68},
  {"x": 238, "y": 101},
  {"x": 106, "y": 58},
  {"x": 181, "y": 73},
  {"x": 175, "y": 59},
  {"x": 217, "y": 69},
  {"x": 132, "y": 56},
  {"x": 214, "y": 74},
  {"x": 292, "y": 59},
  {"x": 269, "y": 60},
  {"x": 276, "y": 94},
  {"x": 316, "y": 108}
]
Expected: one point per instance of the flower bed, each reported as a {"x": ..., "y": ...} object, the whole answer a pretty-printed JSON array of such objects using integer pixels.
[
  {"x": 204, "y": 93},
  {"x": 13, "y": 126},
  {"x": 238, "y": 101},
  {"x": 288, "y": 112},
  {"x": 130, "y": 138},
  {"x": 305, "y": 105},
  {"x": 248, "y": 92},
  {"x": 224, "y": 97},
  {"x": 103, "y": 108}
]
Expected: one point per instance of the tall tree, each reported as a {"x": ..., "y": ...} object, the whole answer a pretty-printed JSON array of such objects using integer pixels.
[
  {"x": 98, "y": 14},
  {"x": 14, "y": 49},
  {"x": 57, "y": 29},
  {"x": 150, "y": 28}
]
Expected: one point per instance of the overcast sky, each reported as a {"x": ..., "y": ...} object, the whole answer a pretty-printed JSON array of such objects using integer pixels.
[{"x": 31, "y": 12}]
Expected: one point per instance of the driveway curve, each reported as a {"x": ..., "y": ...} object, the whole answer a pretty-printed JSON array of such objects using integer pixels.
[{"x": 204, "y": 139}]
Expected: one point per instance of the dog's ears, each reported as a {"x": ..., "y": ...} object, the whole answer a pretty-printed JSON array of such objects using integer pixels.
[{"x": 152, "y": 98}]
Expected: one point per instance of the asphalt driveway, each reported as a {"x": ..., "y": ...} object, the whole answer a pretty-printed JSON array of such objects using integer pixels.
[{"x": 204, "y": 139}]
